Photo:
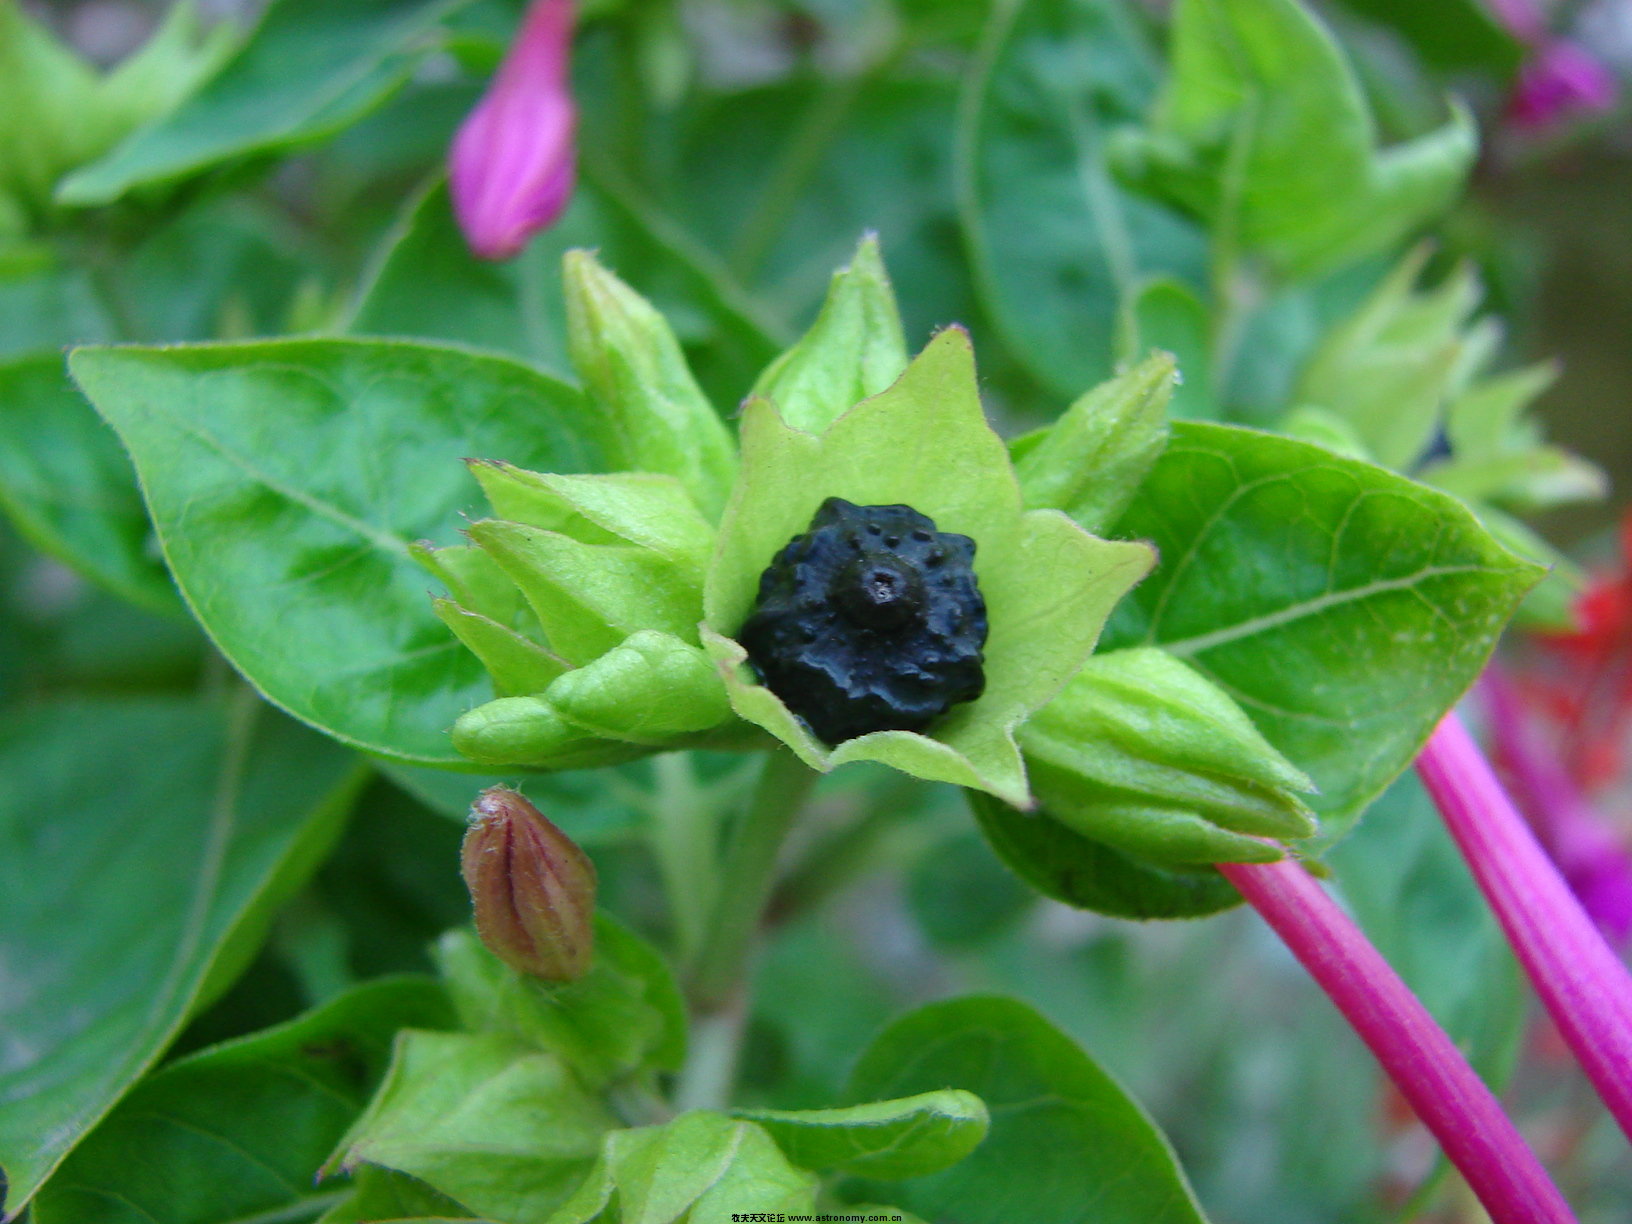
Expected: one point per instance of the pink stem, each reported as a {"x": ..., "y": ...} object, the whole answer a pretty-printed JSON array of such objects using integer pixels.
[
  {"x": 1418, "y": 1056},
  {"x": 1581, "y": 981}
]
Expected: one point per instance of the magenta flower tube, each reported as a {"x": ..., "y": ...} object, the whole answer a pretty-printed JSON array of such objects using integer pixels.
[
  {"x": 513, "y": 163},
  {"x": 1583, "y": 984},
  {"x": 1418, "y": 1055}
]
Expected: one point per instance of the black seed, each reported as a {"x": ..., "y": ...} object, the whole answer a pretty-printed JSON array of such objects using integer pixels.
[{"x": 889, "y": 661}]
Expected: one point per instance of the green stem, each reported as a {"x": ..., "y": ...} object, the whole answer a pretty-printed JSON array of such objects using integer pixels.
[
  {"x": 711, "y": 1064},
  {"x": 685, "y": 833},
  {"x": 746, "y": 877}
]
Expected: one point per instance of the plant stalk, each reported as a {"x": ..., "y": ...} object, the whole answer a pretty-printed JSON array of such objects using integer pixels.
[
  {"x": 746, "y": 878},
  {"x": 1416, "y": 1053},
  {"x": 1584, "y": 985}
]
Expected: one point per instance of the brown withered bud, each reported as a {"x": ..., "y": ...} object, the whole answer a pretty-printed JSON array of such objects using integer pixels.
[{"x": 533, "y": 888}]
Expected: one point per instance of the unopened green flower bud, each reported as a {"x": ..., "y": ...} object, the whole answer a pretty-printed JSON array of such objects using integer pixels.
[
  {"x": 533, "y": 888},
  {"x": 1145, "y": 753},
  {"x": 634, "y": 372},
  {"x": 1092, "y": 460}
]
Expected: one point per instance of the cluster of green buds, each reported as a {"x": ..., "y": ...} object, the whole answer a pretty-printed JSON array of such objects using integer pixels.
[{"x": 865, "y": 511}]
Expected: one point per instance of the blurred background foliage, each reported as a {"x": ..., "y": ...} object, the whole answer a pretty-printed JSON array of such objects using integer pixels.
[{"x": 731, "y": 151}]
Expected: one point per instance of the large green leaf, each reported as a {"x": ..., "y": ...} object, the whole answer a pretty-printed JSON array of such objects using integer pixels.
[
  {"x": 1343, "y": 607},
  {"x": 70, "y": 488},
  {"x": 1058, "y": 245},
  {"x": 1067, "y": 1145},
  {"x": 146, "y": 845},
  {"x": 310, "y": 68},
  {"x": 239, "y": 1131},
  {"x": 287, "y": 480}
]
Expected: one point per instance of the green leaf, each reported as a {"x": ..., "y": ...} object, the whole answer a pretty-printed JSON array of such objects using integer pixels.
[
  {"x": 487, "y": 1119},
  {"x": 153, "y": 841},
  {"x": 701, "y": 1168},
  {"x": 961, "y": 894},
  {"x": 1142, "y": 752},
  {"x": 855, "y": 349},
  {"x": 1264, "y": 131},
  {"x": 309, "y": 70},
  {"x": 925, "y": 442},
  {"x": 889, "y": 1140},
  {"x": 287, "y": 480},
  {"x": 625, "y": 1015},
  {"x": 44, "y": 304},
  {"x": 1057, "y": 243},
  {"x": 1063, "y": 864},
  {"x": 786, "y": 176},
  {"x": 1090, "y": 462},
  {"x": 1344, "y": 608},
  {"x": 427, "y": 283},
  {"x": 1067, "y": 1145},
  {"x": 63, "y": 112},
  {"x": 70, "y": 488},
  {"x": 240, "y": 1130}
]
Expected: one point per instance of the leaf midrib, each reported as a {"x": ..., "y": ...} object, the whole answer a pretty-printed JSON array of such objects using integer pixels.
[{"x": 1311, "y": 607}]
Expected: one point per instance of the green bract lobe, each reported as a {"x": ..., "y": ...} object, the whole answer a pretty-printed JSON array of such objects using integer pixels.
[{"x": 872, "y": 620}]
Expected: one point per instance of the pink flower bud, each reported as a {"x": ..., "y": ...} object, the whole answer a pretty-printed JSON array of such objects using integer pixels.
[
  {"x": 511, "y": 169},
  {"x": 533, "y": 888},
  {"x": 1560, "y": 82}
]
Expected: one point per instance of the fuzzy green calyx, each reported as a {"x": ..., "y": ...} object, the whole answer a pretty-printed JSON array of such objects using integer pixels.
[{"x": 924, "y": 443}]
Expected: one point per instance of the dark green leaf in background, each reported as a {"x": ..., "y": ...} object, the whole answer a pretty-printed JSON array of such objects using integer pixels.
[
  {"x": 429, "y": 284},
  {"x": 1067, "y": 1145},
  {"x": 1057, "y": 244},
  {"x": 1263, "y": 131},
  {"x": 961, "y": 895},
  {"x": 309, "y": 69},
  {"x": 785, "y": 179},
  {"x": 287, "y": 480},
  {"x": 1344, "y": 607},
  {"x": 239, "y": 1131},
  {"x": 68, "y": 485},
  {"x": 43, "y": 304},
  {"x": 1063, "y": 864},
  {"x": 145, "y": 846}
]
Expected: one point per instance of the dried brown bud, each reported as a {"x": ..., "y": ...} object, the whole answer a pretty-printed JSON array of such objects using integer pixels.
[{"x": 533, "y": 888}]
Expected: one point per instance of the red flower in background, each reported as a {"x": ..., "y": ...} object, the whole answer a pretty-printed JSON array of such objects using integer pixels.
[{"x": 1583, "y": 682}]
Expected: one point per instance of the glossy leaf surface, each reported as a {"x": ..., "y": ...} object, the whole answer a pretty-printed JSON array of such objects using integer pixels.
[
  {"x": 240, "y": 1130},
  {"x": 1067, "y": 1145},
  {"x": 1343, "y": 607},
  {"x": 239, "y": 805},
  {"x": 287, "y": 480}
]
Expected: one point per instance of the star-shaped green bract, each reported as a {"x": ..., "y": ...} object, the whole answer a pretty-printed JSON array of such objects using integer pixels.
[{"x": 924, "y": 442}]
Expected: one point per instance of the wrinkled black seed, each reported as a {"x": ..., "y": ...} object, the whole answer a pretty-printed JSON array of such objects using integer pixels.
[{"x": 852, "y": 635}]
